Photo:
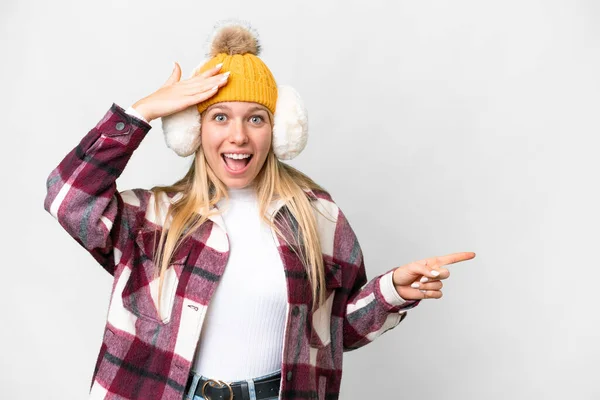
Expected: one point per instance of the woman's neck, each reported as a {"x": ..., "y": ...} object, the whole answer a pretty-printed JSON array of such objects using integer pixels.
[{"x": 246, "y": 193}]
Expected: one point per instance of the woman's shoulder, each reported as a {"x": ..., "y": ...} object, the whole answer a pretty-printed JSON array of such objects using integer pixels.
[
  {"x": 324, "y": 204},
  {"x": 321, "y": 197},
  {"x": 318, "y": 194}
]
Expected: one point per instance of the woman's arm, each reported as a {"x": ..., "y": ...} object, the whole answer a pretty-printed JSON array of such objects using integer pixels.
[
  {"x": 374, "y": 306},
  {"x": 379, "y": 305},
  {"x": 82, "y": 193}
]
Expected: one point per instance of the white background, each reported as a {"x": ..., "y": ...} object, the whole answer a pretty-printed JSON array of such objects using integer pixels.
[{"x": 438, "y": 127}]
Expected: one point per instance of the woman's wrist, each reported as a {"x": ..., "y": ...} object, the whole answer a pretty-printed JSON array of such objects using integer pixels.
[{"x": 139, "y": 107}]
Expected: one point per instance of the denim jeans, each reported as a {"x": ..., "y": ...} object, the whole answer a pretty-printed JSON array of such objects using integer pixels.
[{"x": 196, "y": 379}]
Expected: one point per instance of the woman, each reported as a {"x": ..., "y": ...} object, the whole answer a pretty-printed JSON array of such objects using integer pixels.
[{"x": 260, "y": 242}]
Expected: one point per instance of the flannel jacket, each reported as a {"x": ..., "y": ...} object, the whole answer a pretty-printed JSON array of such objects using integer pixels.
[{"x": 147, "y": 355}]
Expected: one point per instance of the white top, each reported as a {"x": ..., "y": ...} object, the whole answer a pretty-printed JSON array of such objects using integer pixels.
[{"x": 242, "y": 336}]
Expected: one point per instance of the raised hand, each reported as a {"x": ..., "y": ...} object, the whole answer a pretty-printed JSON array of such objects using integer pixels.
[
  {"x": 423, "y": 279},
  {"x": 176, "y": 95}
]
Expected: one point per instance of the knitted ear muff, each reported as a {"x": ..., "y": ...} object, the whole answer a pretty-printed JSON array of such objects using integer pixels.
[{"x": 290, "y": 127}]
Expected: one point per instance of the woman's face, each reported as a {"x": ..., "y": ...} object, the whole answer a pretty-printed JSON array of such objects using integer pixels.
[{"x": 236, "y": 138}]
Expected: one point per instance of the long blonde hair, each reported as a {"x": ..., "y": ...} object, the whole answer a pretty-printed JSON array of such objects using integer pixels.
[{"x": 201, "y": 189}]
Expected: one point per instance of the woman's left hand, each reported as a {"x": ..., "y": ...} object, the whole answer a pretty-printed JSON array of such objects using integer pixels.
[{"x": 423, "y": 279}]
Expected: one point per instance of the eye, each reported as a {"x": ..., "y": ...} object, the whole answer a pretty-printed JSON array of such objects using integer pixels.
[
  {"x": 257, "y": 119},
  {"x": 219, "y": 117}
]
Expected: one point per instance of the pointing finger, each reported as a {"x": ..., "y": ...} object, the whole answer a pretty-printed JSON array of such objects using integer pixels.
[
  {"x": 454, "y": 258},
  {"x": 447, "y": 259}
]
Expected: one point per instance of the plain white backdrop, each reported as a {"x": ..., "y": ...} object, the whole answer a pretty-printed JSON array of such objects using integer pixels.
[{"x": 438, "y": 127}]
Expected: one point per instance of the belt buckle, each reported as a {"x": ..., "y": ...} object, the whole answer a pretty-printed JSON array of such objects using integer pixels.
[{"x": 221, "y": 384}]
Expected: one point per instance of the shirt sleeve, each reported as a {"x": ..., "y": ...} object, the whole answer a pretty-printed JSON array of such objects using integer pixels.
[{"x": 82, "y": 193}]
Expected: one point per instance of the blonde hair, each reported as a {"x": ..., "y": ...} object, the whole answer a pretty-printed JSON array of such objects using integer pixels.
[{"x": 201, "y": 190}]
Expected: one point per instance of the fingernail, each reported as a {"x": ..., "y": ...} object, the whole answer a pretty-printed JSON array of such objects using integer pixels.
[
  {"x": 415, "y": 285},
  {"x": 434, "y": 273},
  {"x": 226, "y": 74},
  {"x": 424, "y": 279},
  {"x": 215, "y": 88},
  {"x": 422, "y": 291},
  {"x": 219, "y": 65}
]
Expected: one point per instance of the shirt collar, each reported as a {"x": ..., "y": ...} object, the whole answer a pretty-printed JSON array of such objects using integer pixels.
[{"x": 272, "y": 210}]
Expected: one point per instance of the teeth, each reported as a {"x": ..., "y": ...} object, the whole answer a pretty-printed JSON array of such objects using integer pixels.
[{"x": 237, "y": 156}]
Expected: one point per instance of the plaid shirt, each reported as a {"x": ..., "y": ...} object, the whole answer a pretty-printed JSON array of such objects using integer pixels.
[{"x": 145, "y": 355}]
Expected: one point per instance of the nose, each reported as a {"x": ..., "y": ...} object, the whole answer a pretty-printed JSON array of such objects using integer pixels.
[{"x": 238, "y": 134}]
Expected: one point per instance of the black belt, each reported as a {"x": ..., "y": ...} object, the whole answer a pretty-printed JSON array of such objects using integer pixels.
[{"x": 218, "y": 390}]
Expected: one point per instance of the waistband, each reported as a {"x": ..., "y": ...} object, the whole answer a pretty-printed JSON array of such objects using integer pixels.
[{"x": 263, "y": 387}]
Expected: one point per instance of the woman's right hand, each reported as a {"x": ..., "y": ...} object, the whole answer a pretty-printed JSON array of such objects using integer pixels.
[{"x": 176, "y": 95}]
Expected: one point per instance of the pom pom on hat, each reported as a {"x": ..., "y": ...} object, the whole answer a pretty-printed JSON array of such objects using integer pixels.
[{"x": 233, "y": 37}]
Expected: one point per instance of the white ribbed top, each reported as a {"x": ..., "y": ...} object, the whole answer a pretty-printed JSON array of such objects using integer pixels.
[{"x": 242, "y": 335}]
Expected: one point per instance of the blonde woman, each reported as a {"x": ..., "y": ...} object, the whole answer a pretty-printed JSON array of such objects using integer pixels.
[{"x": 243, "y": 280}]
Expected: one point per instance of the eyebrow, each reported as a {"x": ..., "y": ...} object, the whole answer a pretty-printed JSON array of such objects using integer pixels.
[{"x": 257, "y": 108}]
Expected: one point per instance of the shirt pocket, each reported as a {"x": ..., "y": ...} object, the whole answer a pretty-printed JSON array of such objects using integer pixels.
[
  {"x": 140, "y": 295},
  {"x": 321, "y": 320}
]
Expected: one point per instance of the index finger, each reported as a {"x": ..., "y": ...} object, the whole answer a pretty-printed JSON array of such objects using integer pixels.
[
  {"x": 454, "y": 258},
  {"x": 206, "y": 74}
]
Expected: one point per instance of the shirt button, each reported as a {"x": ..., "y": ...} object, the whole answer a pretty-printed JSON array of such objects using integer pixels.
[
  {"x": 295, "y": 311},
  {"x": 120, "y": 126},
  {"x": 289, "y": 375}
]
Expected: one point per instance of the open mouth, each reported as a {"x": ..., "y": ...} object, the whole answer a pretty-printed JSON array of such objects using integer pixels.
[{"x": 236, "y": 162}]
